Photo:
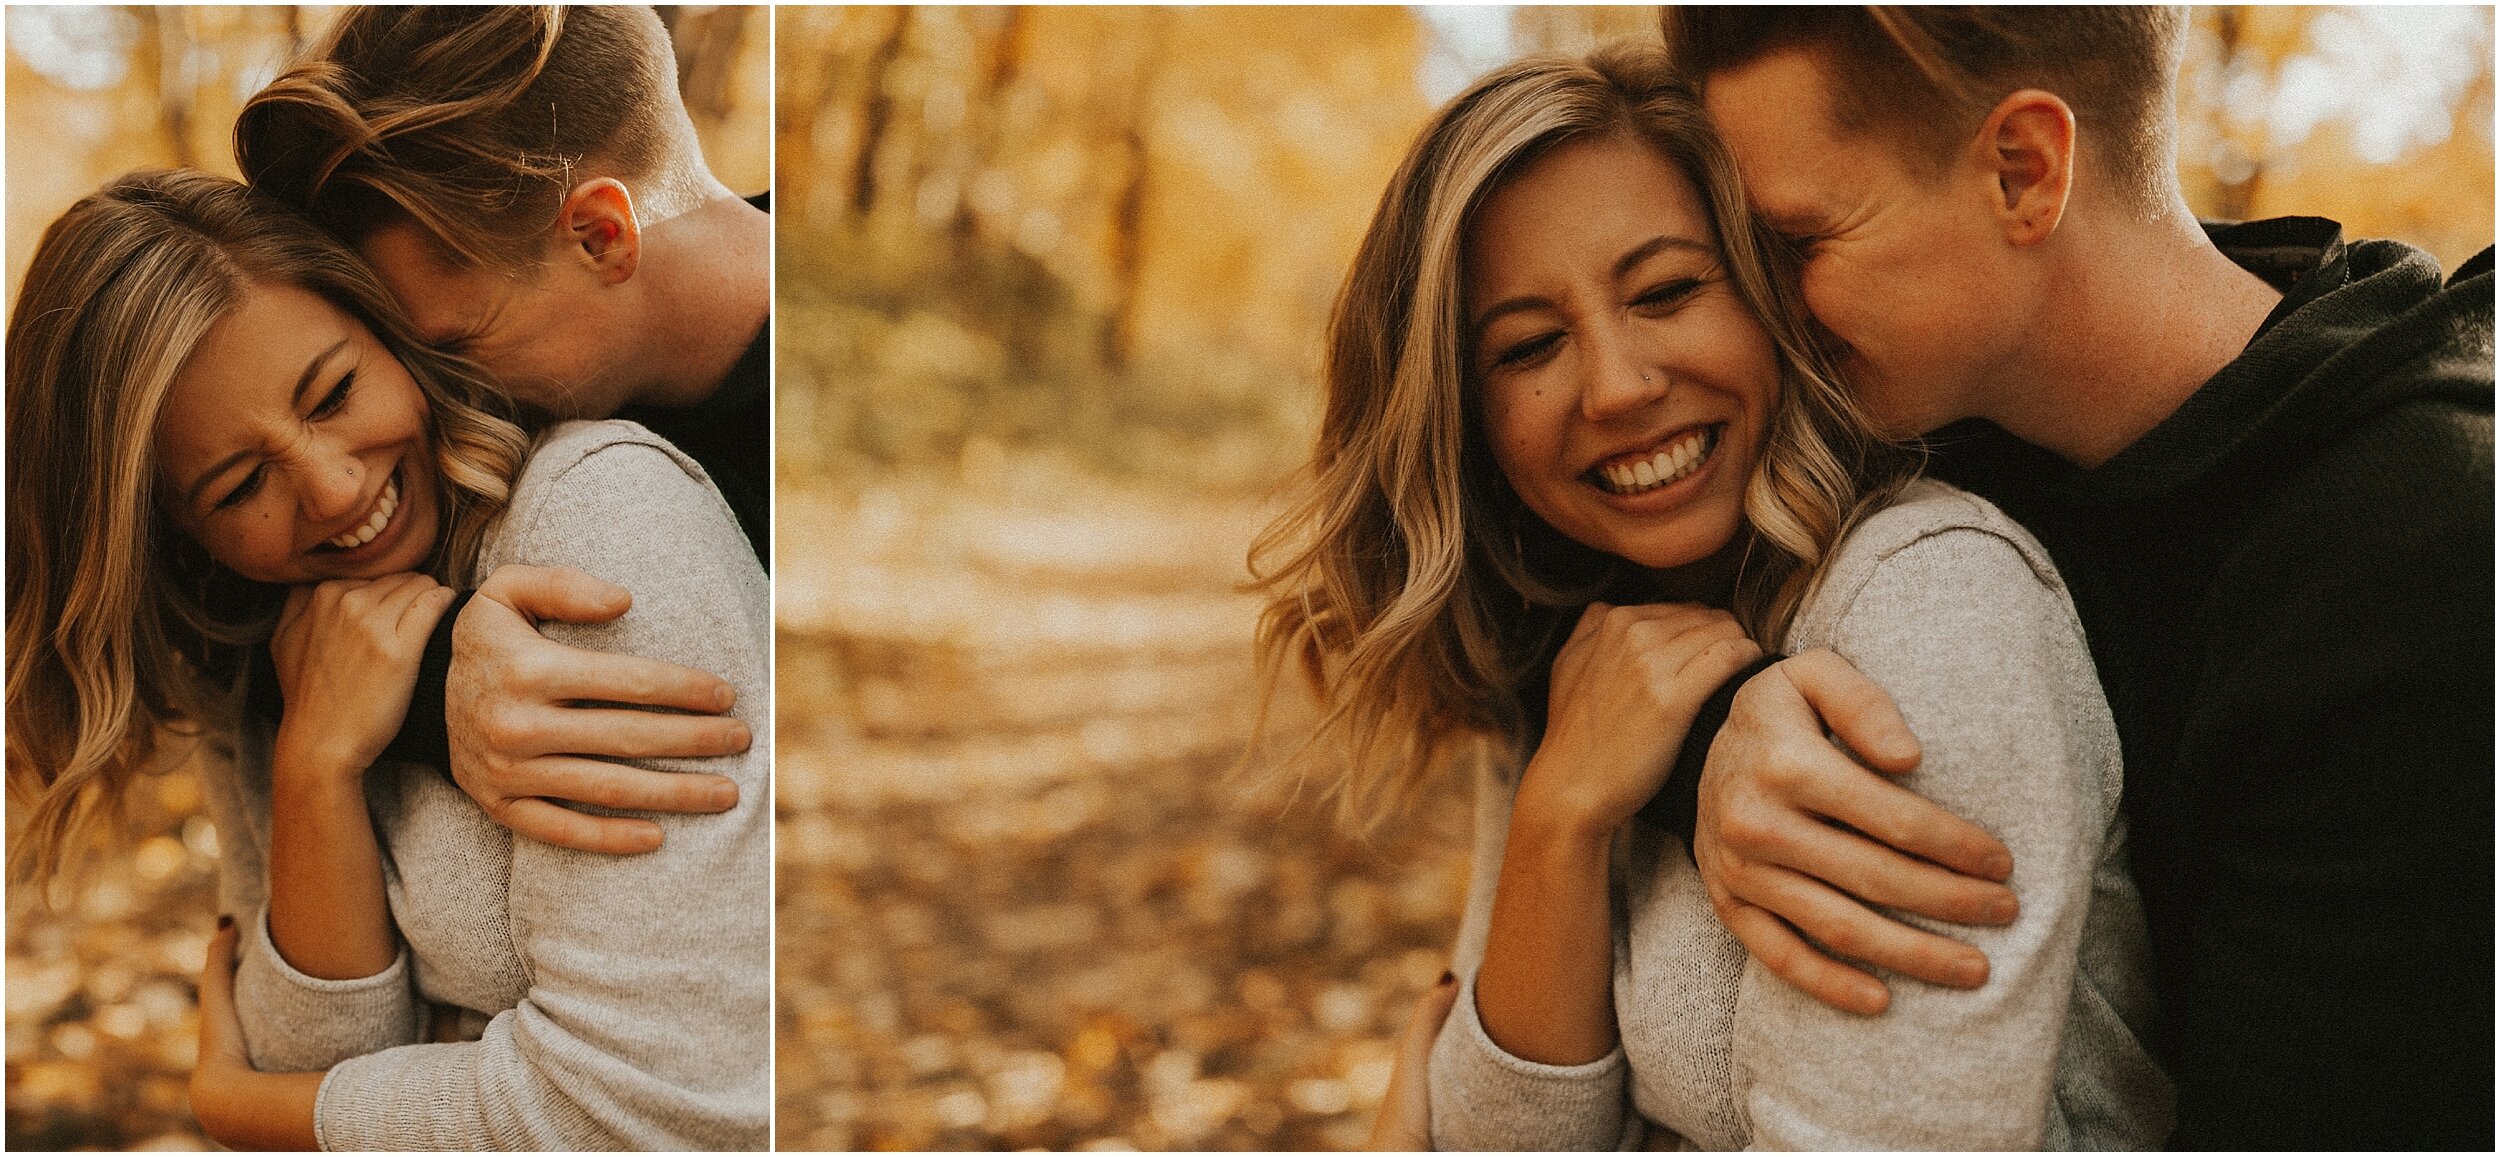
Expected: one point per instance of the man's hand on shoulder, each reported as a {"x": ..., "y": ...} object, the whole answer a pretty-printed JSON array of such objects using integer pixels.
[
  {"x": 518, "y": 742},
  {"x": 1796, "y": 837}
]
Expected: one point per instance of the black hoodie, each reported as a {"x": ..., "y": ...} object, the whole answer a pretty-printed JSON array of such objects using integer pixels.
[{"x": 2288, "y": 589}]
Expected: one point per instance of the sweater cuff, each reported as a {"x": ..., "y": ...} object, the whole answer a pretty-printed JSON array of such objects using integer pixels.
[
  {"x": 478, "y": 1096},
  {"x": 1483, "y": 1097},
  {"x": 294, "y": 1022}
]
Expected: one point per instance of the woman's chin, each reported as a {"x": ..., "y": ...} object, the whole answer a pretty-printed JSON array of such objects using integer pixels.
[{"x": 1691, "y": 536}]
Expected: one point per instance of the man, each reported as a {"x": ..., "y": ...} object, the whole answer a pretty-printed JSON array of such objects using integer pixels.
[
  {"x": 2260, "y": 455},
  {"x": 529, "y": 185}
]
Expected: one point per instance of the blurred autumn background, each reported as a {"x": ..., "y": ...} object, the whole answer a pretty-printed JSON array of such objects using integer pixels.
[
  {"x": 1052, "y": 283},
  {"x": 102, "y": 1028}
]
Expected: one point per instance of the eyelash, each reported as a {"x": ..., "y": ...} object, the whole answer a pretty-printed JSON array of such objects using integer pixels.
[
  {"x": 337, "y": 396},
  {"x": 331, "y": 403},
  {"x": 1522, "y": 353},
  {"x": 250, "y": 487}
]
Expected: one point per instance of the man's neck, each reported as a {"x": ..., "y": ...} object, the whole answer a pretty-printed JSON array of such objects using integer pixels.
[
  {"x": 709, "y": 292},
  {"x": 2139, "y": 318}
]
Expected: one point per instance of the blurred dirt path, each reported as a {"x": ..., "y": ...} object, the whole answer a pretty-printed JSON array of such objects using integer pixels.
[{"x": 1024, "y": 900}]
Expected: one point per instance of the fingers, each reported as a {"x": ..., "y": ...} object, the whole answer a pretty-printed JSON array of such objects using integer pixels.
[
  {"x": 1850, "y": 929},
  {"x": 615, "y": 785},
  {"x": 1903, "y": 819},
  {"x": 409, "y": 603},
  {"x": 1423, "y": 1026},
  {"x": 218, "y": 1036},
  {"x": 618, "y": 733},
  {"x": 547, "y": 823},
  {"x": 298, "y": 598},
  {"x": 562, "y": 593},
  {"x": 1575, "y": 650},
  {"x": 425, "y": 610},
  {"x": 1405, "y": 1121},
  {"x": 1790, "y": 958},
  {"x": 1855, "y": 709},
  {"x": 1793, "y": 766},
  {"x": 612, "y": 678},
  {"x": 1877, "y": 874}
]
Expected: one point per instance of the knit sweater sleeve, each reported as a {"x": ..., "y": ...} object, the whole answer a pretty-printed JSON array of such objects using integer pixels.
[
  {"x": 647, "y": 1018},
  {"x": 1484, "y": 1098},
  {"x": 1978, "y": 645},
  {"x": 292, "y": 1022}
]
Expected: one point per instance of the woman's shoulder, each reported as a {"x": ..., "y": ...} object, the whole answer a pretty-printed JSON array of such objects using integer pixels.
[
  {"x": 1927, "y": 508},
  {"x": 1935, "y": 538},
  {"x": 566, "y": 446},
  {"x": 600, "y": 477}
]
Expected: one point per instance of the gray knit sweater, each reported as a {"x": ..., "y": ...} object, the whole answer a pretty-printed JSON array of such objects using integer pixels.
[
  {"x": 1953, "y": 609},
  {"x": 601, "y": 1002}
]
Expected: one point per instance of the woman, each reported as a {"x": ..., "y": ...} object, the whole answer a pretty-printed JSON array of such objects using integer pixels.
[
  {"x": 1571, "y": 409},
  {"x": 222, "y": 439}
]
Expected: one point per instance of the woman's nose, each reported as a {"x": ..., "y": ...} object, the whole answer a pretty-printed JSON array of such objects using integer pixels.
[
  {"x": 331, "y": 485},
  {"x": 1620, "y": 379}
]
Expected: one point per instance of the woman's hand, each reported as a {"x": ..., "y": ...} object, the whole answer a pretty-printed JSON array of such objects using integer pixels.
[
  {"x": 238, "y": 1107},
  {"x": 1625, "y": 690},
  {"x": 347, "y": 653},
  {"x": 1405, "y": 1121}
]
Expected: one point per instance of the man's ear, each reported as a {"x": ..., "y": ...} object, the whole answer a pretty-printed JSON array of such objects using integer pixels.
[
  {"x": 598, "y": 232},
  {"x": 2029, "y": 147}
]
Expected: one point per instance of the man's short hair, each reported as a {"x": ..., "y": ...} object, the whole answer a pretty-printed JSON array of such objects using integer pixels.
[
  {"x": 1929, "y": 76},
  {"x": 470, "y": 121}
]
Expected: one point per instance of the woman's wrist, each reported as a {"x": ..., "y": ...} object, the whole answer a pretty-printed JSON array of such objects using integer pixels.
[
  {"x": 1560, "y": 809},
  {"x": 246, "y": 1110},
  {"x": 1561, "y": 839},
  {"x": 311, "y": 759}
]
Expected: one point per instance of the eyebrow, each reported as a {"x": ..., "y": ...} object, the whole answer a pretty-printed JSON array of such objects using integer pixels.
[
  {"x": 1792, "y": 222},
  {"x": 1624, "y": 266},
  {"x": 312, "y": 370}
]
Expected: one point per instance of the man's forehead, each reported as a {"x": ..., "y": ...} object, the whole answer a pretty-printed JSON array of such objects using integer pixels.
[
  {"x": 1773, "y": 112},
  {"x": 435, "y": 291}
]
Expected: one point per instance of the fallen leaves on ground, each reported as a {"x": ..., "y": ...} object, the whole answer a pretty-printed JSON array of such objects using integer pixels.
[
  {"x": 1027, "y": 897},
  {"x": 103, "y": 1022}
]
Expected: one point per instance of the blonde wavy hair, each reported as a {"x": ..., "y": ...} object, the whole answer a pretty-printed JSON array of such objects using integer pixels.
[
  {"x": 1418, "y": 598},
  {"x": 121, "y": 631}
]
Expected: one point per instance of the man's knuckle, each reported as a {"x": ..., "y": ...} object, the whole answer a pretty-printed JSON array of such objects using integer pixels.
[
  {"x": 1746, "y": 825},
  {"x": 507, "y": 729},
  {"x": 1781, "y": 774},
  {"x": 529, "y": 667}
]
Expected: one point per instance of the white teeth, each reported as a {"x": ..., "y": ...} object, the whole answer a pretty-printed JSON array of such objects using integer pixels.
[
  {"x": 1668, "y": 464},
  {"x": 383, "y": 509}
]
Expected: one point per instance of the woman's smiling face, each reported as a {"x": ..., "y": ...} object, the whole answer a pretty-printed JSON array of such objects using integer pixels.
[
  {"x": 1625, "y": 386},
  {"x": 293, "y": 446}
]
